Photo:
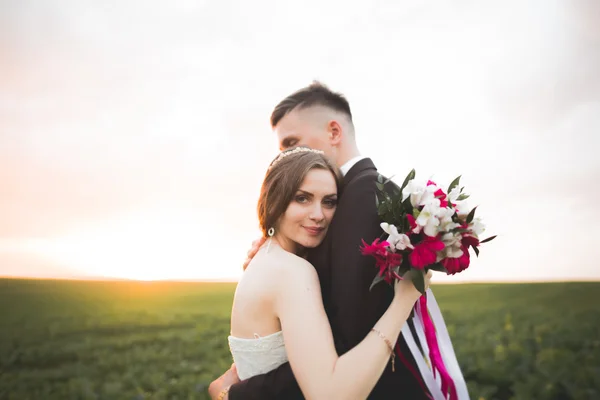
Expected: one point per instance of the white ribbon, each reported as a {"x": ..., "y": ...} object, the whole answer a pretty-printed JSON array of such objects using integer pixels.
[{"x": 447, "y": 351}]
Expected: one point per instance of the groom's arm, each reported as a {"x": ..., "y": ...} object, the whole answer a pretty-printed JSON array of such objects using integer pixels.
[
  {"x": 276, "y": 384},
  {"x": 355, "y": 309}
]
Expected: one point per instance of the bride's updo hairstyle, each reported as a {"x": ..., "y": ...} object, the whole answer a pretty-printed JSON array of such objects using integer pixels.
[{"x": 283, "y": 179}]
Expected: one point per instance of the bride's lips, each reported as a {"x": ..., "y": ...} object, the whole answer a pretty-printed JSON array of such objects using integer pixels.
[{"x": 313, "y": 230}]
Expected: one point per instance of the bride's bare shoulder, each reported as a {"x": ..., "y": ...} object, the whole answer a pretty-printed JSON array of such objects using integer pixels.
[{"x": 286, "y": 265}]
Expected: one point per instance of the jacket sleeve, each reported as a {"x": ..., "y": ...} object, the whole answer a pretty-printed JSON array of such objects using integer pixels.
[
  {"x": 276, "y": 384},
  {"x": 354, "y": 308}
]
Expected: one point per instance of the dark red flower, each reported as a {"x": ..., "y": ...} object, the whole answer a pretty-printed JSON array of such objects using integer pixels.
[
  {"x": 465, "y": 259},
  {"x": 471, "y": 241},
  {"x": 452, "y": 265},
  {"x": 458, "y": 264}
]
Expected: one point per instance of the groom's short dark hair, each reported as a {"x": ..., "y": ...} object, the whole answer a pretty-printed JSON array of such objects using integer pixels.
[{"x": 316, "y": 94}]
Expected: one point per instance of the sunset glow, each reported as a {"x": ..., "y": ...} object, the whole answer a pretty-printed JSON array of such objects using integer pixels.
[{"x": 134, "y": 139}]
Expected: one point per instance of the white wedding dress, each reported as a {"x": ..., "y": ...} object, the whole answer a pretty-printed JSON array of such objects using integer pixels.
[{"x": 259, "y": 355}]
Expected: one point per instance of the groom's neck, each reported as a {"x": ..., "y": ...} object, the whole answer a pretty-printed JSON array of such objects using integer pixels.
[{"x": 346, "y": 154}]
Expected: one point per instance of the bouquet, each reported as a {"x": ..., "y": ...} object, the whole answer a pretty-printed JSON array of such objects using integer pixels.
[{"x": 426, "y": 227}]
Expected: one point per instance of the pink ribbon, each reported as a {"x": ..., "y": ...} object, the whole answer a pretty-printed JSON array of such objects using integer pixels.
[{"x": 437, "y": 363}]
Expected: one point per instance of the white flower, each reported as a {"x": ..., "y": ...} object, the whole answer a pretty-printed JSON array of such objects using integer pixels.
[
  {"x": 453, "y": 195},
  {"x": 428, "y": 220},
  {"x": 452, "y": 241},
  {"x": 414, "y": 190},
  {"x": 453, "y": 252},
  {"x": 445, "y": 217},
  {"x": 428, "y": 196},
  {"x": 462, "y": 208},
  {"x": 396, "y": 240},
  {"x": 477, "y": 226},
  {"x": 420, "y": 194},
  {"x": 431, "y": 229},
  {"x": 445, "y": 212}
]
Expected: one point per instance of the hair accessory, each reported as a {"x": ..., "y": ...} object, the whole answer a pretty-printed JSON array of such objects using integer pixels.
[{"x": 286, "y": 153}]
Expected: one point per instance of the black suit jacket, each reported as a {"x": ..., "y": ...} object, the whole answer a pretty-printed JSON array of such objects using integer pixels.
[{"x": 345, "y": 276}]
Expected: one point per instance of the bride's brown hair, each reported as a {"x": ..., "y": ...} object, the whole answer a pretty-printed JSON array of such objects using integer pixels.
[{"x": 283, "y": 179}]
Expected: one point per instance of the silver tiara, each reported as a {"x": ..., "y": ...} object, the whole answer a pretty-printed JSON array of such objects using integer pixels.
[{"x": 284, "y": 154}]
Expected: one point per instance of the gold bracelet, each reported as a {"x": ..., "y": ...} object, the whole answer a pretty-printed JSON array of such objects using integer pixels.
[
  {"x": 223, "y": 393},
  {"x": 389, "y": 345}
]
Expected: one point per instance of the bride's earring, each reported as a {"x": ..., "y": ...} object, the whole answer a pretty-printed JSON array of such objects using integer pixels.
[{"x": 270, "y": 232}]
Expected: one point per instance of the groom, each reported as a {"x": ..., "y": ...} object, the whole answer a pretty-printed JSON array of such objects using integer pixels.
[{"x": 321, "y": 119}]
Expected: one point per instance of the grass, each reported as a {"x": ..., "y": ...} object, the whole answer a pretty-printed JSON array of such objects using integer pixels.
[{"x": 164, "y": 340}]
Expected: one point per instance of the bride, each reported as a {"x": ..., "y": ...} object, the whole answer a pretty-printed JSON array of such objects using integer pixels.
[{"x": 278, "y": 314}]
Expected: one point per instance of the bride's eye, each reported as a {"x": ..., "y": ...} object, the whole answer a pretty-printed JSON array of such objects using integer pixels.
[
  {"x": 330, "y": 203},
  {"x": 301, "y": 199}
]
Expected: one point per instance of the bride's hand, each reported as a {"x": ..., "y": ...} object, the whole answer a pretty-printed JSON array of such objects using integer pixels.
[
  {"x": 223, "y": 382},
  {"x": 253, "y": 250},
  {"x": 406, "y": 286}
]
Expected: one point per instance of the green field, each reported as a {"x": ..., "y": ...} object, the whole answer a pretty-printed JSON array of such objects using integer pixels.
[{"x": 123, "y": 340}]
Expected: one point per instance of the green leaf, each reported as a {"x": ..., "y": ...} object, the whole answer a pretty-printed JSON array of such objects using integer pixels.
[
  {"x": 488, "y": 239},
  {"x": 404, "y": 268},
  {"x": 454, "y": 184},
  {"x": 463, "y": 196},
  {"x": 418, "y": 279},
  {"x": 380, "y": 178},
  {"x": 380, "y": 186},
  {"x": 416, "y": 213},
  {"x": 409, "y": 177},
  {"x": 388, "y": 180},
  {"x": 438, "y": 267},
  {"x": 377, "y": 279},
  {"x": 476, "y": 251},
  {"x": 471, "y": 215}
]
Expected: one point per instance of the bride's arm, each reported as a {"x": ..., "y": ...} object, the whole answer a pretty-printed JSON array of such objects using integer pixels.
[{"x": 320, "y": 372}]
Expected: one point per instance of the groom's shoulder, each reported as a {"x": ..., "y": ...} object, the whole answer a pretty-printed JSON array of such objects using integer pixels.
[{"x": 365, "y": 179}]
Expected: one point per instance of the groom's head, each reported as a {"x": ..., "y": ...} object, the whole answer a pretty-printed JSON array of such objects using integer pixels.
[{"x": 318, "y": 118}]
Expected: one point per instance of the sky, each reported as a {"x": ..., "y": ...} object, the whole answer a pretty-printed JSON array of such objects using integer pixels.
[{"x": 134, "y": 135}]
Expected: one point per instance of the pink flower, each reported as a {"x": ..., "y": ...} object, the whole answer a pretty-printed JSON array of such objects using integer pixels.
[
  {"x": 385, "y": 260},
  {"x": 377, "y": 248},
  {"x": 425, "y": 253},
  {"x": 411, "y": 221}
]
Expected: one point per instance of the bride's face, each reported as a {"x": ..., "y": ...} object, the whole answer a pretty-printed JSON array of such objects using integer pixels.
[{"x": 307, "y": 218}]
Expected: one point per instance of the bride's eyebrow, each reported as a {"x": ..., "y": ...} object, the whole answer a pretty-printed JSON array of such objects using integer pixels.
[{"x": 328, "y": 196}]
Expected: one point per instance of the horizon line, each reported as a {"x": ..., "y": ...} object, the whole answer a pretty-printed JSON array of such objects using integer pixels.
[{"x": 233, "y": 280}]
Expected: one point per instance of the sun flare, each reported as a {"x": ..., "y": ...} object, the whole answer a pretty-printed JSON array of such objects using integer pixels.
[{"x": 144, "y": 247}]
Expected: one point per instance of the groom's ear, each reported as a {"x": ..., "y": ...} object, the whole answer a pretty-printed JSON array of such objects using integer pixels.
[{"x": 335, "y": 132}]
